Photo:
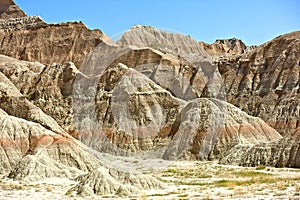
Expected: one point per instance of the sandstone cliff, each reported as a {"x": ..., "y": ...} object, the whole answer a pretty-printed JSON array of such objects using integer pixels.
[
  {"x": 231, "y": 67},
  {"x": 209, "y": 128},
  {"x": 22, "y": 23},
  {"x": 265, "y": 82},
  {"x": 30, "y": 38},
  {"x": 48, "y": 87},
  {"x": 52, "y": 43}
]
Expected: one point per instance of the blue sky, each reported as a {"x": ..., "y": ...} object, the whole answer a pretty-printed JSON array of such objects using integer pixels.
[{"x": 255, "y": 22}]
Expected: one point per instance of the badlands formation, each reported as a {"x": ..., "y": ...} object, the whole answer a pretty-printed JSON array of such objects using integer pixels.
[{"x": 72, "y": 101}]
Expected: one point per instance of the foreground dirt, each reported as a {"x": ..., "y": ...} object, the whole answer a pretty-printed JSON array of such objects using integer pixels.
[{"x": 184, "y": 180}]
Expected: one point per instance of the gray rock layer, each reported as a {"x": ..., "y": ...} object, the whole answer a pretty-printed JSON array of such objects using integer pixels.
[
  {"x": 111, "y": 182},
  {"x": 282, "y": 153}
]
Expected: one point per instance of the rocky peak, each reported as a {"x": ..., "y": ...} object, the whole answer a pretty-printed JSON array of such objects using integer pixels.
[
  {"x": 169, "y": 43},
  {"x": 8, "y": 9},
  {"x": 222, "y": 47}
]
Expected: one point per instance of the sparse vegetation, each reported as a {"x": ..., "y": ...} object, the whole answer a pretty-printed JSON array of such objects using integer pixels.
[
  {"x": 250, "y": 174},
  {"x": 260, "y": 167},
  {"x": 69, "y": 192},
  {"x": 49, "y": 188},
  {"x": 236, "y": 181},
  {"x": 281, "y": 185},
  {"x": 12, "y": 186},
  {"x": 297, "y": 188},
  {"x": 191, "y": 173},
  {"x": 183, "y": 195},
  {"x": 204, "y": 179}
]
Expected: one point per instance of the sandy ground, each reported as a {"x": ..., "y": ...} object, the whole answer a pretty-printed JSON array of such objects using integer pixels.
[{"x": 183, "y": 180}]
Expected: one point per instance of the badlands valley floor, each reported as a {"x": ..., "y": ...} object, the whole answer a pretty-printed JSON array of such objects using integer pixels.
[{"x": 183, "y": 180}]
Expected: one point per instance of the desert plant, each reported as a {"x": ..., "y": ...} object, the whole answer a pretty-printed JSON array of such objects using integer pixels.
[{"x": 261, "y": 167}]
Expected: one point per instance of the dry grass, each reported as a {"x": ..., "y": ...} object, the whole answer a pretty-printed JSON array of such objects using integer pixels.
[
  {"x": 49, "y": 188},
  {"x": 248, "y": 173},
  {"x": 12, "y": 186},
  {"x": 231, "y": 181},
  {"x": 261, "y": 167},
  {"x": 281, "y": 185},
  {"x": 297, "y": 188}
]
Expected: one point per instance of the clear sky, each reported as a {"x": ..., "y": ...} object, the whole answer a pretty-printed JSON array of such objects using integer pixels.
[{"x": 255, "y": 22}]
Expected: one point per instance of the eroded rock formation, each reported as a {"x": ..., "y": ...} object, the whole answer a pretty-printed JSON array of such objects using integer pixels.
[
  {"x": 124, "y": 111},
  {"x": 48, "y": 87},
  {"x": 209, "y": 128},
  {"x": 265, "y": 82},
  {"x": 52, "y": 43},
  {"x": 282, "y": 153},
  {"x": 21, "y": 23},
  {"x": 107, "y": 181},
  {"x": 8, "y": 9},
  {"x": 34, "y": 147},
  {"x": 225, "y": 47},
  {"x": 30, "y": 38},
  {"x": 171, "y": 43}
]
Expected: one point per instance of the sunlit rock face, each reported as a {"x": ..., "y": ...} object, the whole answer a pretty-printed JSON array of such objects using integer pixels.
[
  {"x": 34, "y": 147},
  {"x": 145, "y": 106},
  {"x": 208, "y": 128},
  {"x": 65, "y": 42},
  {"x": 225, "y": 47},
  {"x": 126, "y": 99},
  {"x": 30, "y": 38},
  {"x": 164, "y": 41},
  {"x": 8, "y": 9},
  {"x": 264, "y": 82}
]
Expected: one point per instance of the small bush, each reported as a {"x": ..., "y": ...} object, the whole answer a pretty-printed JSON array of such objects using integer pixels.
[
  {"x": 171, "y": 170},
  {"x": 260, "y": 167},
  {"x": 250, "y": 174},
  {"x": 49, "y": 188},
  {"x": 281, "y": 186},
  {"x": 297, "y": 188},
  {"x": 69, "y": 192},
  {"x": 183, "y": 195}
]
